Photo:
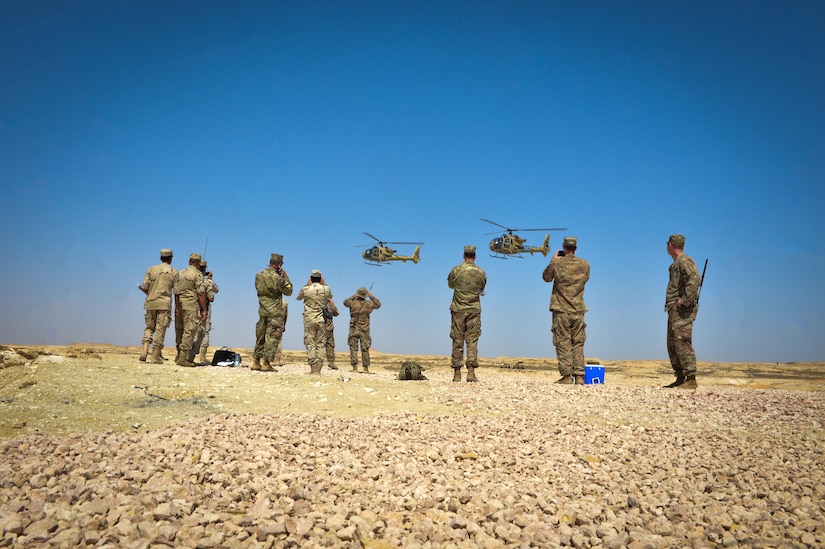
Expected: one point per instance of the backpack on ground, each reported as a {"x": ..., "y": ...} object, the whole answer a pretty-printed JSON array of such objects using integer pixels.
[
  {"x": 226, "y": 357},
  {"x": 411, "y": 371}
]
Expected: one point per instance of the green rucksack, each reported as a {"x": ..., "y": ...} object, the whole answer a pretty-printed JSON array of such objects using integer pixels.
[{"x": 411, "y": 371}]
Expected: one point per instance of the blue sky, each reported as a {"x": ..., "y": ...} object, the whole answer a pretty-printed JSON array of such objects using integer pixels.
[{"x": 293, "y": 127}]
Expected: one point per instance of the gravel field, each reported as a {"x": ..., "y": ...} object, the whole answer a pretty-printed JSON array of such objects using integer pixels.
[{"x": 351, "y": 460}]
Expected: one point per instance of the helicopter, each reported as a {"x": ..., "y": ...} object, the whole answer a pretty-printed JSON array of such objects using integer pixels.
[
  {"x": 510, "y": 244},
  {"x": 381, "y": 253}
]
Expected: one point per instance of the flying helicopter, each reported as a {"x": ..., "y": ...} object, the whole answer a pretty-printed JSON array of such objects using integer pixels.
[
  {"x": 381, "y": 253},
  {"x": 511, "y": 244}
]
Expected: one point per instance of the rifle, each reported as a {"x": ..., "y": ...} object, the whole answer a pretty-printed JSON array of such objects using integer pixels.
[{"x": 701, "y": 281}]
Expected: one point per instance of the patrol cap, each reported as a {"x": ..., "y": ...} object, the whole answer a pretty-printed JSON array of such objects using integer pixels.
[
  {"x": 316, "y": 273},
  {"x": 276, "y": 258},
  {"x": 203, "y": 264},
  {"x": 469, "y": 250},
  {"x": 571, "y": 241},
  {"x": 361, "y": 292},
  {"x": 166, "y": 252},
  {"x": 195, "y": 257},
  {"x": 677, "y": 239}
]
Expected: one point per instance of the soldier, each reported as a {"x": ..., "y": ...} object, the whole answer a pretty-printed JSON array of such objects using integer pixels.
[
  {"x": 158, "y": 285},
  {"x": 190, "y": 306},
  {"x": 316, "y": 296},
  {"x": 468, "y": 281},
  {"x": 202, "y": 341},
  {"x": 330, "y": 335},
  {"x": 278, "y": 361},
  {"x": 359, "y": 326},
  {"x": 569, "y": 275},
  {"x": 272, "y": 284},
  {"x": 681, "y": 305}
]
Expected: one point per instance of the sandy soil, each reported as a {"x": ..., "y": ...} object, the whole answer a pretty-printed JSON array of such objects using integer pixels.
[{"x": 84, "y": 386}]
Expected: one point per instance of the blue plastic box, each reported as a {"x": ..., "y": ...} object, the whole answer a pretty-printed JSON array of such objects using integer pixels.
[{"x": 594, "y": 374}]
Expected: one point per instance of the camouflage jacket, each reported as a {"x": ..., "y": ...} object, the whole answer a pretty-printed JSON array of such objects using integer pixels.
[
  {"x": 190, "y": 284},
  {"x": 159, "y": 283},
  {"x": 684, "y": 283},
  {"x": 315, "y": 297},
  {"x": 271, "y": 288},
  {"x": 569, "y": 275},
  {"x": 468, "y": 281},
  {"x": 359, "y": 311}
]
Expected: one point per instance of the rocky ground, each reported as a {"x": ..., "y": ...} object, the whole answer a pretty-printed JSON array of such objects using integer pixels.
[{"x": 102, "y": 450}]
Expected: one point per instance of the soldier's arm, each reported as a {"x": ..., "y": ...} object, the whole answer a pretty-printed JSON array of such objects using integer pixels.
[
  {"x": 692, "y": 284},
  {"x": 549, "y": 271},
  {"x": 376, "y": 303}
]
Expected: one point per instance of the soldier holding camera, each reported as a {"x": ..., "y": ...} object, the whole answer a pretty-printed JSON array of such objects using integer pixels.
[
  {"x": 271, "y": 284},
  {"x": 569, "y": 275}
]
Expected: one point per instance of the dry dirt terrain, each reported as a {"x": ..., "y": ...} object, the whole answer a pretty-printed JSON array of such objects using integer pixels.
[{"x": 103, "y": 450}]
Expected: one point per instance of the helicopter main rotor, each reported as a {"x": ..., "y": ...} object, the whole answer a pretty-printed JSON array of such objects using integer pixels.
[
  {"x": 382, "y": 243},
  {"x": 511, "y": 231}
]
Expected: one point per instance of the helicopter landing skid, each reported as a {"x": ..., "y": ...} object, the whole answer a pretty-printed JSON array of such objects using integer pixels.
[{"x": 501, "y": 256}]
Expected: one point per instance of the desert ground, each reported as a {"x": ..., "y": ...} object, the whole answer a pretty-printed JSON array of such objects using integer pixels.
[{"x": 102, "y": 450}]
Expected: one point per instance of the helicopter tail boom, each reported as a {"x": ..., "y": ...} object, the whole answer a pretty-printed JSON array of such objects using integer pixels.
[{"x": 545, "y": 247}]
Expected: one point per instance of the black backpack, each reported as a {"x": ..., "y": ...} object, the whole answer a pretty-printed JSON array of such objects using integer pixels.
[
  {"x": 226, "y": 357},
  {"x": 411, "y": 371}
]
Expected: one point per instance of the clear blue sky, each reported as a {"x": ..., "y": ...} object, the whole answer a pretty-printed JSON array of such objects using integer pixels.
[{"x": 292, "y": 127}]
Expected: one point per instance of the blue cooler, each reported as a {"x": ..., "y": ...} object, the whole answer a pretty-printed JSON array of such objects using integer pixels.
[{"x": 594, "y": 374}]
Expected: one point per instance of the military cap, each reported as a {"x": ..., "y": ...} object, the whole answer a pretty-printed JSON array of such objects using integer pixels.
[
  {"x": 571, "y": 241},
  {"x": 276, "y": 258},
  {"x": 361, "y": 292},
  {"x": 677, "y": 239},
  {"x": 316, "y": 273},
  {"x": 195, "y": 257},
  {"x": 166, "y": 252},
  {"x": 469, "y": 250},
  {"x": 203, "y": 263}
]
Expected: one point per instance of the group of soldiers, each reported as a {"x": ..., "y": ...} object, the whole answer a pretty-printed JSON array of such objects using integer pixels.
[
  {"x": 273, "y": 286},
  {"x": 194, "y": 291}
]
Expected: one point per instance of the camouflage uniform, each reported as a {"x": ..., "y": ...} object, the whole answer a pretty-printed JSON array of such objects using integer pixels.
[
  {"x": 468, "y": 281},
  {"x": 330, "y": 336},
  {"x": 271, "y": 287},
  {"x": 359, "y": 326},
  {"x": 683, "y": 283},
  {"x": 189, "y": 294},
  {"x": 569, "y": 275},
  {"x": 279, "y": 351},
  {"x": 315, "y": 297},
  {"x": 159, "y": 285},
  {"x": 202, "y": 341}
]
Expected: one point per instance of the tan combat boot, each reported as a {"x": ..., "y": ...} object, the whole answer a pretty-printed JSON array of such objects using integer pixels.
[
  {"x": 202, "y": 357},
  {"x": 471, "y": 374},
  {"x": 355, "y": 367},
  {"x": 144, "y": 352},
  {"x": 183, "y": 361},
  {"x": 568, "y": 379},
  {"x": 578, "y": 380},
  {"x": 155, "y": 358},
  {"x": 266, "y": 366},
  {"x": 690, "y": 383},
  {"x": 680, "y": 379},
  {"x": 457, "y": 374},
  {"x": 256, "y": 363},
  {"x": 332, "y": 366},
  {"x": 366, "y": 368},
  {"x": 315, "y": 368}
]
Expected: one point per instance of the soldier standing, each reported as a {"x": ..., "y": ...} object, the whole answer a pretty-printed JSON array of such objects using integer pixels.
[
  {"x": 190, "y": 306},
  {"x": 468, "y": 281},
  {"x": 360, "y": 309},
  {"x": 202, "y": 341},
  {"x": 569, "y": 275},
  {"x": 681, "y": 305},
  {"x": 158, "y": 285},
  {"x": 271, "y": 284},
  {"x": 278, "y": 360},
  {"x": 329, "y": 345},
  {"x": 316, "y": 296}
]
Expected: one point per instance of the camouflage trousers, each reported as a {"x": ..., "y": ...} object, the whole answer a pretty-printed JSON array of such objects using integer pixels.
[
  {"x": 330, "y": 343},
  {"x": 187, "y": 324},
  {"x": 568, "y": 337},
  {"x": 315, "y": 339},
  {"x": 157, "y": 320},
  {"x": 680, "y": 343},
  {"x": 268, "y": 333},
  {"x": 465, "y": 328},
  {"x": 355, "y": 338},
  {"x": 203, "y": 332}
]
